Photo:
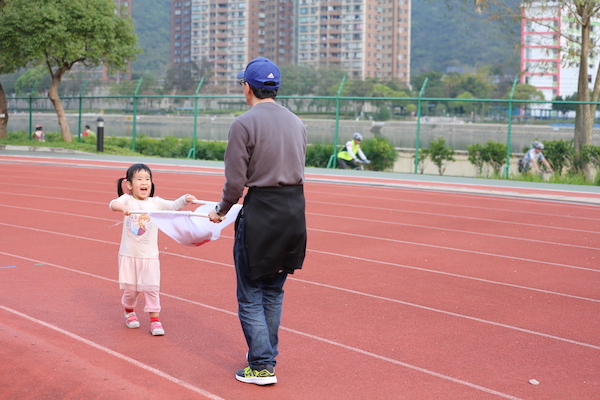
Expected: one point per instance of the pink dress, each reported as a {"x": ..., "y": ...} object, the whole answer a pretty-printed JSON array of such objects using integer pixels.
[{"x": 139, "y": 265}]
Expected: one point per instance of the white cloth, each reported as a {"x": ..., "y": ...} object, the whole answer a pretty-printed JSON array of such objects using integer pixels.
[{"x": 190, "y": 230}]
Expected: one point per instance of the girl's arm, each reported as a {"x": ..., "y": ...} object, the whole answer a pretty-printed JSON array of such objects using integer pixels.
[{"x": 116, "y": 205}]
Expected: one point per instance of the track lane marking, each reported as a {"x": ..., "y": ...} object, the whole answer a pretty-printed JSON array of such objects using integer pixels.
[{"x": 113, "y": 353}]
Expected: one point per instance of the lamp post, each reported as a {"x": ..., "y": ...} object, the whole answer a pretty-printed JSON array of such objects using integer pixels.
[{"x": 100, "y": 135}]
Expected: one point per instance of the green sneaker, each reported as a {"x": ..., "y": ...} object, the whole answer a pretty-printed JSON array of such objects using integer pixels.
[{"x": 265, "y": 376}]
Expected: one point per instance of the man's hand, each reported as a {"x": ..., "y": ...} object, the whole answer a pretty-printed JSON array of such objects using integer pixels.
[{"x": 214, "y": 217}]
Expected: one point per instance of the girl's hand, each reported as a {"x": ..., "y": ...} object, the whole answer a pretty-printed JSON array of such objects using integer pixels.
[
  {"x": 126, "y": 210},
  {"x": 189, "y": 198}
]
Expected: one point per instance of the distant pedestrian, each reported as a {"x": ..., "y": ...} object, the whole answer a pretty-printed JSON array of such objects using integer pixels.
[
  {"x": 39, "y": 134},
  {"x": 139, "y": 266},
  {"x": 87, "y": 131}
]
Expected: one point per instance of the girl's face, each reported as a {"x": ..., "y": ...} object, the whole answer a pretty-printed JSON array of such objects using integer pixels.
[{"x": 140, "y": 185}]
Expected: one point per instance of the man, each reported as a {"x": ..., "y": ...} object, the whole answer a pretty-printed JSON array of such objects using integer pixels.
[
  {"x": 348, "y": 156},
  {"x": 266, "y": 152},
  {"x": 532, "y": 159}
]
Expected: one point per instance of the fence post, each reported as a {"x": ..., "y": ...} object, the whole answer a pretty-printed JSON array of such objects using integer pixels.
[
  {"x": 510, "y": 106},
  {"x": 332, "y": 160},
  {"x": 31, "y": 108},
  {"x": 418, "y": 138},
  {"x": 80, "y": 103},
  {"x": 133, "y": 131},
  {"x": 193, "y": 149}
]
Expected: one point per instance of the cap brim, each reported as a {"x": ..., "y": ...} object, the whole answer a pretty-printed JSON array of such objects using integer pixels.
[{"x": 241, "y": 74}]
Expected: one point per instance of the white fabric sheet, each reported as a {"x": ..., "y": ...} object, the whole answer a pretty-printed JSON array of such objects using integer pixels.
[{"x": 192, "y": 230}]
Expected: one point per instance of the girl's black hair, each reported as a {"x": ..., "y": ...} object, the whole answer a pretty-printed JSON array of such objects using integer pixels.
[{"x": 129, "y": 176}]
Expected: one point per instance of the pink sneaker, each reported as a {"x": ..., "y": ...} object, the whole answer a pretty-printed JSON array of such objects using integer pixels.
[
  {"x": 131, "y": 320},
  {"x": 156, "y": 329}
]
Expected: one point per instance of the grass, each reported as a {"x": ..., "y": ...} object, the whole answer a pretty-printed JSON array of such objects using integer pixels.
[
  {"x": 54, "y": 139},
  {"x": 88, "y": 145}
]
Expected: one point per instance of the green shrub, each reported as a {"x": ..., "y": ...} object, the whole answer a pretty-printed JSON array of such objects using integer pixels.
[
  {"x": 381, "y": 152},
  {"x": 475, "y": 158},
  {"x": 122, "y": 142},
  {"x": 318, "y": 154},
  {"x": 17, "y": 136},
  {"x": 493, "y": 154},
  {"x": 148, "y": 146},
  {"x": 440, "y": 154},
  {"x": 383, "y": 114},
  {"x": 560, "y": 154},
  {"x": 210, "y": 150},
  {"x": 591, "y": 154},
  {"x": 423, "y": 155}
]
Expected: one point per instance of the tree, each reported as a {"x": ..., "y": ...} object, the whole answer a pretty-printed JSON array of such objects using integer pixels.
[
  {"x": 579, "y": 49},
  {"x": 564, "y": 107},
  {"x": 59, "y": 34},
  {"x": 10, "y": 61},
  {"x": 462, "y": 107}
]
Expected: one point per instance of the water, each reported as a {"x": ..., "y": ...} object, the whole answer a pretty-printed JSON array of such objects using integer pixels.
[{"x": 403, "y": 134}]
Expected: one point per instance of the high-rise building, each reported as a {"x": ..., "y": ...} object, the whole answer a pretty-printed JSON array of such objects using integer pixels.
[
  {"x": 366, "y": 38},
  {"x": 549, "y": 61}
]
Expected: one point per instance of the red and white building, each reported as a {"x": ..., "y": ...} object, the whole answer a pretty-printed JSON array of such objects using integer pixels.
[{"x": 549, "y": 61}]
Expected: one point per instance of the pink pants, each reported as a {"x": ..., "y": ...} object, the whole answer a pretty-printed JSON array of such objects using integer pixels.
[{"x": 152, "y": 298}]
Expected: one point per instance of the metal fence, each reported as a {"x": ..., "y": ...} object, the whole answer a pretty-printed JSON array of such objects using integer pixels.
[{"x": 409, "y": 124}]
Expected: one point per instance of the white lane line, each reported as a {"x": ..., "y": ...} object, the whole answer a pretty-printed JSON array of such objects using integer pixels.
[
  {"x": 113, "y": 353},
  {"x": 363, "y": 352},
  {"x": 452, "y": 275},
  {"x": 436, "y": 310},
  {"x": 475, "y": 233},
  {"x": 457, "y": 249}
]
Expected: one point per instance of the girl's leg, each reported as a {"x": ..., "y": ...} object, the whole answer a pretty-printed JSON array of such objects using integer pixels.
[
  {"x": 152, "y": 298},
  {"x": 129, "y": 300}
]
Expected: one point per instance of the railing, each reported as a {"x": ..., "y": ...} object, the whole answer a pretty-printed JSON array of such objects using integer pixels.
[{"x": 407, "y": 123}]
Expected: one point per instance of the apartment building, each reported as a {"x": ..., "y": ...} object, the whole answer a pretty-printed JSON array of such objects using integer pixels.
[
  {"x": 366, "y": 38},
  {"x": 549, "y": 61}
]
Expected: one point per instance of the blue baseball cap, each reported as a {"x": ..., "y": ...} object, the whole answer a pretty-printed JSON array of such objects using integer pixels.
[{"x": 259, "y": 71}]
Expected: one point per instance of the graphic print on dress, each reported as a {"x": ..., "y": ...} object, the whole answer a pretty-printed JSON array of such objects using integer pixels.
[{"x": 139, "y": 223}]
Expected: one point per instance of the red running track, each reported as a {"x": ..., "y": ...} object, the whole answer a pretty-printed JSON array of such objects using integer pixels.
[{"x": 405, "y": 293}]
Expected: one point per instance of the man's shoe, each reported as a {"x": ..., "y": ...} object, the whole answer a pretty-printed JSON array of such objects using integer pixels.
[
  {"x": 131, "y": 320},
  {"x": 264, "y": 376}
]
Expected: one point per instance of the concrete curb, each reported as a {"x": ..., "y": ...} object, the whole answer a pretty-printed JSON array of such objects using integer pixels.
[{"x": 45, "y": 149}]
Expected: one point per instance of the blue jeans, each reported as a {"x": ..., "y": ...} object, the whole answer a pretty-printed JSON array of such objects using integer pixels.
[{"x": 259, "y": 305}]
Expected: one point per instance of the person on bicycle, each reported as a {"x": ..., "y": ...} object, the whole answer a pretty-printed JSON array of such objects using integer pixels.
[
  {"x": 532, "y": 159},
  {"x": 348, "y": 157}
]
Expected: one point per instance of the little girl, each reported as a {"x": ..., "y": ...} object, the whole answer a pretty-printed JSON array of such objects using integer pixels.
[{"x": 139, "y": 266}]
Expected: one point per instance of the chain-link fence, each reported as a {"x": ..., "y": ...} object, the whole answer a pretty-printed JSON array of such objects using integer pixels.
[{"x": 410, "y": 124}]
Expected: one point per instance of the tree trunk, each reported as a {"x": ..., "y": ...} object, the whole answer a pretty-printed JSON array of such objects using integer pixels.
[
  {"x": 584, "y": 115},
  {"x": 3, "y": 112},
  {"x": 57, "y": 103}
]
